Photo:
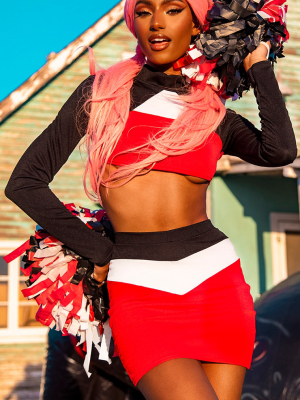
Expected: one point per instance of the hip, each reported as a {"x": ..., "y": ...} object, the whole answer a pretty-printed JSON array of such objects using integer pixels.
[{"x": 177, "y": 261}]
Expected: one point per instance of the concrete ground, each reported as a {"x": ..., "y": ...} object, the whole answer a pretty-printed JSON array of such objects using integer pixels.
[{"x": 21, "y": 370}]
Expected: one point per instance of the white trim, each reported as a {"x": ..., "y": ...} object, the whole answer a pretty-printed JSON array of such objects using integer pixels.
[
  {"x": 13, "y": 333},
  {"x": 9, "y": 245},
  {"x": 24, "y": 335},
  {"x": 163, "y": 104},
  {"x": 167, "y": 275},
  {"x": 280, "y": 223},
  {"x": 13, "y": 295}
]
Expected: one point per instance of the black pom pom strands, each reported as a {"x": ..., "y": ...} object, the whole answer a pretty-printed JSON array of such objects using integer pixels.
[
  {"x": 235, "y": 29},
  {"x": 62, "y": 284}
]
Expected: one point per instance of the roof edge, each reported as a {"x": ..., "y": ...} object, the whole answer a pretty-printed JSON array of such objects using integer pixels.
[{"x": 60, "y": 61}]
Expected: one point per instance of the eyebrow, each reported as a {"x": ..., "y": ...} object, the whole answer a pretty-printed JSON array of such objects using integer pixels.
[
  {"x": 149, "y": 2},
  {"x": 169, "y": 1}
]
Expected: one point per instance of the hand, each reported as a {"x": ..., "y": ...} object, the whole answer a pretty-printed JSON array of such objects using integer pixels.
[
  {"x": 259, "y": 54},
  {"x": 100, "y": 273}
]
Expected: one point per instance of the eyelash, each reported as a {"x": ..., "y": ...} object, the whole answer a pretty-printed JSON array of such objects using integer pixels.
[{"x": 174, "y": 10}]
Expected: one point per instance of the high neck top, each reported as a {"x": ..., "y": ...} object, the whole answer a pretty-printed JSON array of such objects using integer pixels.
[
  {"x": 155, "y": 104},
  {"x": 150, "y": 76}
]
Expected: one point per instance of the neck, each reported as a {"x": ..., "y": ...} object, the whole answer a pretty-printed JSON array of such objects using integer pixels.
[{"x": 167, "y": 69}]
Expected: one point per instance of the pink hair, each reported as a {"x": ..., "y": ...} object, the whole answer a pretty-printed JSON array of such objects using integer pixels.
[{"x": 110, "y": 103}]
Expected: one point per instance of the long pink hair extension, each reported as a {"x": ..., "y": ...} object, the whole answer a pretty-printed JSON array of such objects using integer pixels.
[{"x": 109, "y": 111}]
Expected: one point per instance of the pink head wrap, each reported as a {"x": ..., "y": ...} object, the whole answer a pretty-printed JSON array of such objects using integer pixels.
[{"x": 199, "y": 7}]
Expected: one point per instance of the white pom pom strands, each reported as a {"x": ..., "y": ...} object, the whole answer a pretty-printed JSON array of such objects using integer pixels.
[{"x": 61, "y": 282}]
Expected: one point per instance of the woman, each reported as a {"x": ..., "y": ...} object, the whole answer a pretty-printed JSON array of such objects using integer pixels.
[{"x": 181, "y": 313}]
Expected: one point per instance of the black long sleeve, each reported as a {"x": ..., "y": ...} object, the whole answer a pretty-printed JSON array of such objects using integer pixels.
[
  {"x": 28, "y": 186},
  {"x": 273, "y": 145}
]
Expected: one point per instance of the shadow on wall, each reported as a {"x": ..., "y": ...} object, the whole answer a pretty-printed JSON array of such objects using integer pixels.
[
  {"x": 65, "y": 379},
  {"x": 29, "y": 387},
  {"x": 259, "y": 196}
]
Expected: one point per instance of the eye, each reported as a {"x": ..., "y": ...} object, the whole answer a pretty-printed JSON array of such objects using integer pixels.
[
  {"x": 142, "y": 13},
  {"x": 175, "y": 11}
]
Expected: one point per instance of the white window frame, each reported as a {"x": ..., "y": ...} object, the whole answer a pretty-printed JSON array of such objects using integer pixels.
[
  {"x": 13, "y": 333},
  {"x": 280, "y": 224}
]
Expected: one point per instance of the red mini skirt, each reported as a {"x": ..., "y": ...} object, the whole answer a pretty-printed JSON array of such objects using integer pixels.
[{"x": 179, "y": 294}]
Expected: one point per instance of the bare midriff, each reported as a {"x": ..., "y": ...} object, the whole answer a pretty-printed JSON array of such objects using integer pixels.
[{"x": 156, "y": 201}]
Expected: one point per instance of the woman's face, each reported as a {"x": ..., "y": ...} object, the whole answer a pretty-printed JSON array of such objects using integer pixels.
[{"x": 164, "y": 29}]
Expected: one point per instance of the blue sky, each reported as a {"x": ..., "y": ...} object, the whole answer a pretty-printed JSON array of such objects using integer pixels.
[{"x": 30, "y": 30}]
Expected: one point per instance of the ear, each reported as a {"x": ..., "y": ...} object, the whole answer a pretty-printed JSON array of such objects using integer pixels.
[
  {"x": 196, "y": 31},
  {"x": 196, "y": 27}
]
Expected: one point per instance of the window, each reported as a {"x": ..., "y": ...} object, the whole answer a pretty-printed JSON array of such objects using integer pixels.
[
  {"x": 285, "y": 243},
  {"x": 3, "y": 293},
  {"x": 17, "y": 314}
]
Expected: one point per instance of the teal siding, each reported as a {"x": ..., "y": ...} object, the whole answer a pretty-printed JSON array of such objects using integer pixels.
[{"x": 241, "y": 207}]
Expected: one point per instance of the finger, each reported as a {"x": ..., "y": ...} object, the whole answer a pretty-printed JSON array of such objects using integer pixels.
[{"x": 267, "y": 45}]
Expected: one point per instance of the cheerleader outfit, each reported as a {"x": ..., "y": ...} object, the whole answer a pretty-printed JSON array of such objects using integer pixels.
[{"x": 173, "y": 294}]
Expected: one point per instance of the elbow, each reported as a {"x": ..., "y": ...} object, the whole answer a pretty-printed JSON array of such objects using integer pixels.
[
  {"x": 286, "y": 156},
  {"x": 289, "y": 155},
  {"x": 10, "y": 191}
]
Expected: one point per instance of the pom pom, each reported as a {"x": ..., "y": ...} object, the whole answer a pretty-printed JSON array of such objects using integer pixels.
[
  {"x": 61, "y": 282},
  {"x": 235, "y": 29}
]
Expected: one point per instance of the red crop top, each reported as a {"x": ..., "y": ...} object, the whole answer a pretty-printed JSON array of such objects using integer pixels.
[{"x": 147, "y": 119}]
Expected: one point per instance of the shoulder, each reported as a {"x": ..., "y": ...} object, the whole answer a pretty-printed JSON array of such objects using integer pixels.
[
  {"x": 230, "y": 115},
  {"x": 85, "y": 88},
  {"x": 227, "y": 127},
  {"x": 79, "y": 96}
]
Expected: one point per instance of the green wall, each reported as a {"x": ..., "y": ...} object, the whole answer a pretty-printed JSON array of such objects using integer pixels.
[{"x": 241, "y": 207}]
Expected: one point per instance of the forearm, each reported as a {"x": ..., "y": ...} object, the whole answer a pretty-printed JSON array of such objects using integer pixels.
[
  {"x": 277, "y": 138},
  {"x": 273, "y": 145},
  {"x": 44, "y": 207}
]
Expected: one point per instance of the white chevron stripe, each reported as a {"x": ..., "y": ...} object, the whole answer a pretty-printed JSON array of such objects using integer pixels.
[
  {"x": 164, "y": 104},
  {"x": 178, "y": 277}
]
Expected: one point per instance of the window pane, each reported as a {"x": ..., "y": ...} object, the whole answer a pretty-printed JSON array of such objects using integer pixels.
[
  {"x": 21, "y": 266},
  {"x": 22, "y": 286},
  {"x": 3, "y": 317},
  {"x": 3, "y": 291},
  {"x": 293, "y": 252},
  {"x": 27, "y": 316},
  {"x": 3, "y": 266}
]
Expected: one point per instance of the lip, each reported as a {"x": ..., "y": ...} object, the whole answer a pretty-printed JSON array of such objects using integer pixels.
[{"x": 159, "y": 45}]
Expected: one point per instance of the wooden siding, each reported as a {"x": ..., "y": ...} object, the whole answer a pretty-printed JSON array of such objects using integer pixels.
[
  {"x": 289, "y": 68},
  {"x": 23, "y": 126}
]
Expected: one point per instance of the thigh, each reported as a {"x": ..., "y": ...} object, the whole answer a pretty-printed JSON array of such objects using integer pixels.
[
  {"x": 226, "y": 379},
  {"x": 177, "y": 379}
]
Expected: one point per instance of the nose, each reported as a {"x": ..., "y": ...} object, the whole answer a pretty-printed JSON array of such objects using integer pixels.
[{"x": 157, "y": 22}]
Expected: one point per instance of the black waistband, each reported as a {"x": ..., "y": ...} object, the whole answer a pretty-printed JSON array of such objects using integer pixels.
[{"x": 171, "y": 245}]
